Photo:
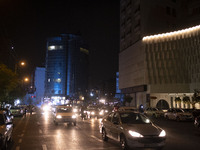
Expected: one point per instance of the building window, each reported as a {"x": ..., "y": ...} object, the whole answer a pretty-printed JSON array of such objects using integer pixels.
[{"x": 55, "y": 47}]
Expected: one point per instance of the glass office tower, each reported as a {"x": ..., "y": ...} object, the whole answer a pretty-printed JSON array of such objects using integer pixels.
[{"x": 66, "y": 68}]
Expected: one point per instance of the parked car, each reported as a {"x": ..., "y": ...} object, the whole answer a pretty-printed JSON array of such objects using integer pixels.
[
  {"x": 17, "y": 111},
  {"x": 64, "y": 114},
  {"x": 132, "y": 130},
  {"x": 6, "y": 129},
  {"x": 178, "y": 115},
  {"x": 7, "y": 111},
  {"x": 153, "y": 112}
]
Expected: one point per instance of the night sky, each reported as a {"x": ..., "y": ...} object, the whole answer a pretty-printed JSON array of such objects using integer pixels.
[{"x": 28, "y": 24}]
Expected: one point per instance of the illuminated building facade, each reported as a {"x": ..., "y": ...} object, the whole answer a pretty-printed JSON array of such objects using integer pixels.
[
  {"x": 156, "y": 69},
  {"x": 39, "y": 79},
  {"x": 66, "y": 67}
]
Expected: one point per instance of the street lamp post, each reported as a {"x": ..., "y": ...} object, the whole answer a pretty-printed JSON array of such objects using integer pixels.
[{"x": 19, "y": 65}]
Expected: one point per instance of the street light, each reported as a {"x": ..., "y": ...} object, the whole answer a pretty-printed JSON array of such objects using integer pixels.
[
  {"x": 20, "y": 64},
  {"x": 26, "y": 79}
]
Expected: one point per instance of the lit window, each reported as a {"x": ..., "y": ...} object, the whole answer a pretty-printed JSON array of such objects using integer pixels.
[
  {"x": 55, "y": 47},
  {"x": 58, "y": 80}
]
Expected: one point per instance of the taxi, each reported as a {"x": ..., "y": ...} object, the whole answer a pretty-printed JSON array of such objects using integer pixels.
[{"x": 64, "y": 114}]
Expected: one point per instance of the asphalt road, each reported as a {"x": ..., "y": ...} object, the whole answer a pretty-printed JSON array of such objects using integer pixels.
[{"x": 38, "y": 132}]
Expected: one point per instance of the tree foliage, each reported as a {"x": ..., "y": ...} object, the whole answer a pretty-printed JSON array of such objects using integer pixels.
[
  {"x": 10, "y": 86},
  {"x": 186, "y": 100},
  {"x": 177, "y": 99},
  {"x": 195, "y": 98}
]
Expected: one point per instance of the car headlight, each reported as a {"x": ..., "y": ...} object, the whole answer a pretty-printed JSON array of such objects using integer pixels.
[
  {"x": 101, "y": 112},
  {"x": 58, "y": 116},
  {"x": 162, "y": 133},
  {"x": 73, "y": 116},
  {"x": 75, "y": 110},
  {"x": 135, "y": 134},
  {"x": 46, "y": 108}
]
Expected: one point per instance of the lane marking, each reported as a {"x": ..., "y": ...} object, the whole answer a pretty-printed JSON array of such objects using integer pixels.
[
  {"x": 17, "y": 148},
  {"x": 44, "y": 147},
  {"x": 96, "y": 138},
  {"x": 20, "y": 140}
]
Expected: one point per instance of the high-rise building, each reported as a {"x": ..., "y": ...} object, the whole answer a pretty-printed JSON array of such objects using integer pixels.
[
  {"x": 66, "y": 68},
  {"x": 158, "y": 49}
]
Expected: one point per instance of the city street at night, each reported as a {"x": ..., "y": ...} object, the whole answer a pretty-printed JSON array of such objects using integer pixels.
[
  {"x": 65, "y": 64},
  {"x": 38, "y": 132}
]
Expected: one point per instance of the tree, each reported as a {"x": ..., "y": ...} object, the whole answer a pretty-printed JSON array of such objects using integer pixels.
[
  {"x": 127, "y": 99},
  {"x": 186, "y": 100},
  {"x": 195, "y": 98},
  {"x": 178, "y": 100},
  {"x": 10, "y": 85}
]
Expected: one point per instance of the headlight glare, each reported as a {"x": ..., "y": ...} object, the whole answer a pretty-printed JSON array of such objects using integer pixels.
[
  {"x": 73, "y": 116},
  {"x": 75, "y": 110},
  {"x": 162, "y": 133},
  {"x": 58, "y": 116},
  {"x": 135, "y": 134}
]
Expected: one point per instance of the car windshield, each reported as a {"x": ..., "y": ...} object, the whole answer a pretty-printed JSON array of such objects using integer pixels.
[
  {"x": 64, "y": 109},
  {"x": 133, "y": 118},
  {"x": 1, "y": 119}
]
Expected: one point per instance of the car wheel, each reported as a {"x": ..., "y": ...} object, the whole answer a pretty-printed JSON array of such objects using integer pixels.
[
  {"x": 104, "y": 136},
  {"x": 177, "y": 119},
  {"x": 167, "y": 118},
  {"x": 123, "y": 143}
]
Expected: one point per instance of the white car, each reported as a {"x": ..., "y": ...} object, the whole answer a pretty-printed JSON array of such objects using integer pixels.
[
  {"x": 178, "y": 114},
  {"x": 64, "y": 114},
  {"x": 153, "y": 112}
]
